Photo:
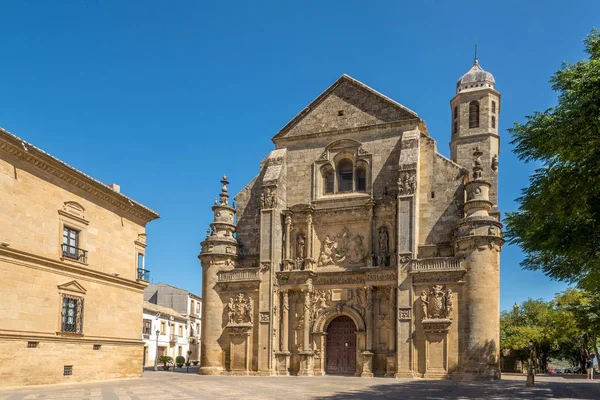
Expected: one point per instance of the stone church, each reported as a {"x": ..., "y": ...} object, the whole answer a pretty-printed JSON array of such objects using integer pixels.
[{"x": 358, "y": 248}]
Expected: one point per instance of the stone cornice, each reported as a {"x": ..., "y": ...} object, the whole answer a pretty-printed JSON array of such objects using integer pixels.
[
  {"x": 33, "y": 260},
  {"x": 27, "y": 152},
  {"x": 385, "y": 125},
  {"x": 43, "y": 336}
]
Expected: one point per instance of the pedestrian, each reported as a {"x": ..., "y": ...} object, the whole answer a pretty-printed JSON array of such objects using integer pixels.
[{"x": 590, "y": 368}]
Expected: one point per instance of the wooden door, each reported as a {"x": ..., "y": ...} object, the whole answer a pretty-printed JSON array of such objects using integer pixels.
[{"x": 340, "y": 347}]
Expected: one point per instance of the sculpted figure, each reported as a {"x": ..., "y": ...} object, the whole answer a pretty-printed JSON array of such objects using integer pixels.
[
  {"x": 327, "y": 249},
  {"x": 300, "y": 246},
  {"x": 383, "y": 241},
  {"x": 424, "y": 304},
  {"x": 250, "y": 309},
  {"x": 231, "y": 311},
  {"x": 449, "y": 303},
  {"x": 412, "y": 183}
]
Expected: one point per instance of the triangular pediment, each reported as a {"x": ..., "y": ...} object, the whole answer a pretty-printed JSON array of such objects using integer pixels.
[
  {"x": 347, "y": 103},
  {"x": 72, "y": 286}
]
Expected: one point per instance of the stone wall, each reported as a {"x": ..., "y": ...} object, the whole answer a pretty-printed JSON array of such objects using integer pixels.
[{"x": 20, "y": 365}]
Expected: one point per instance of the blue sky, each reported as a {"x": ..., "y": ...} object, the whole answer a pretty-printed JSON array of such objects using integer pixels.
[{"x": 164, "y": 97}]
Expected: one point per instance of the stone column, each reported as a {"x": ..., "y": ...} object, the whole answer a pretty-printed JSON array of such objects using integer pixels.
[
  {"x": 306, "y": 342},
  {"x": 288, "y": 236},
  {"x": 283, "y": 356},
  {"x": 369, "y": 317},
  {"x": 285, "y": 326},
  {"x": 367, "y": 367},
  {"x": 211, "y": 354},
  {"x": 306, "y": 355},
  {"x": 478, "y": 239}
]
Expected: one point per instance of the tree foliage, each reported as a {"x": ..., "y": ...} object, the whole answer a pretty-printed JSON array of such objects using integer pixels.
[
  {"x": 557, "y": 224},
  {"x": 567, "y": 327}
]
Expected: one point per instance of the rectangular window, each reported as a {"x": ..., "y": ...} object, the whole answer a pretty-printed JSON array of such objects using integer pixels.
[
  {"x": 70, "y": 243},
  {"x": 192, "y": 307},
  {"x": 32, "y": 345},
  {"x": 97, "y": 346},
  {"x": 179, "y": 351},
  {"x": 68, "y": 370},
  {"x": 147, "y": 329},
  {"x": 140, "y": 261},
  {"x": 72, "y": 314},
  {"x": 493, "y": 106},
  {"x": 197, "y": 307},
  {"x": 197, "y": 329},
  {"x": 163, "y": 328},
  {"x": 180, "y": 330}
]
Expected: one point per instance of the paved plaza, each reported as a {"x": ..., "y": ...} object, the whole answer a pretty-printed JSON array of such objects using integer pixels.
[{"x": 167, "y": 385}]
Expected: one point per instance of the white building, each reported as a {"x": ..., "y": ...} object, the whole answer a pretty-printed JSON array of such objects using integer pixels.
[
  {"x": 172, "y": 330},
  {"x": 181, "y": 305}
]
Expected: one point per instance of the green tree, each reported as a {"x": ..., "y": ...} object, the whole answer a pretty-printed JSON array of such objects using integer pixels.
[
  {"x": 557, "y": 223},
  {"x": 581, "y": 309},
  {"x": 534, "y": 321}
]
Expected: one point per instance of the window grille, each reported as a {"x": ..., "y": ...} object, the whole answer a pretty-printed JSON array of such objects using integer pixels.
[
  {"x": 68, "y": 370},
  {"x": 72, "y": 314}
]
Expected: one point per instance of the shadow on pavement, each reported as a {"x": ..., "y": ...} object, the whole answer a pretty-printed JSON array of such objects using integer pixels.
[{"x": 502, "y": 389}]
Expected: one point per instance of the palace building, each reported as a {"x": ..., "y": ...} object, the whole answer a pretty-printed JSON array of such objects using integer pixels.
[
  {"x": 72, "y": 270},
  {"x": 358, "y": 248}
]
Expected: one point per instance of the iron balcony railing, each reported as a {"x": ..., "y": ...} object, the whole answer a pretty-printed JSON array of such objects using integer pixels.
[
  {"x": 173, "y": 338},
  {"x": 143, "y": 274},
  {"x": 74, "y": 253}
]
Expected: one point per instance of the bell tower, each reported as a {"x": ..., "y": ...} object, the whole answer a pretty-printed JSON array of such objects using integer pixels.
[{"x": 474, "y": 124}]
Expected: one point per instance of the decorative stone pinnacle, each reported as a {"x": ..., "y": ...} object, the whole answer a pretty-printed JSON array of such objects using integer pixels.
[
  {"x": 477, "y": 169},
  {"x": 224, "y": 197}
]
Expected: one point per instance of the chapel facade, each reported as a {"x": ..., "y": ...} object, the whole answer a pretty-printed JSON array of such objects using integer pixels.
[{"x": 358, "y": 248}]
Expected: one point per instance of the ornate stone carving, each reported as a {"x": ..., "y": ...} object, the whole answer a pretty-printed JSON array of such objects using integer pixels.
[
  {"x": 240, "y": 310},
  {"x": 268, "y": 197},
  {"x": 265, "y": 267},
  {"x": 437, "y": 303},
  {"x": 495, "y": 162},
  {"x": 404, "y": 313},
  {"x": 342, "y": 249},
  {"x": 477, "y": 168},
  {"x": 407, "y": 183},
  {"x": 265, "y": 317}
]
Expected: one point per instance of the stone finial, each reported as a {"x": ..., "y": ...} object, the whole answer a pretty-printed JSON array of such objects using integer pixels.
[
  {"x": 477, "y": 168},
  {"x": 224, "y": 196}
]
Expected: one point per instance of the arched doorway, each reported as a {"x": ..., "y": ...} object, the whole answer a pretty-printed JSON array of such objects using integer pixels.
[{"x": 340, "y": 347}]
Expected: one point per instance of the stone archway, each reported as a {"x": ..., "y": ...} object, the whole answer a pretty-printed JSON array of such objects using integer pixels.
[{"x": 340, "y": 346}]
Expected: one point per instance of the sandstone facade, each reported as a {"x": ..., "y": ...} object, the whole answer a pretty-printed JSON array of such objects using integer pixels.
[
  {"x": 71, "y": 293},
  {"x": 359, "y": 249}
]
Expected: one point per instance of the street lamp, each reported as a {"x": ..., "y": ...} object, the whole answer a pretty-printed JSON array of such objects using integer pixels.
[{"x": 156, "y": 354}]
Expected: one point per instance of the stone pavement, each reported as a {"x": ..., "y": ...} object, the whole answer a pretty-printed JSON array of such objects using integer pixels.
[{"x": 167, "y": 385}]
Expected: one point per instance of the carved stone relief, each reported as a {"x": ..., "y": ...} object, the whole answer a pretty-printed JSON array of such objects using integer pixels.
[
  {"x": 342, "y": 249},
  {"x": 404, "y": 313},
  {"x": 268, "y": 197},
  {"x": 240, "y": 310},
  {"x": 437, "y": 303},
  {"x": 407, "y": 183},
  {"x": 264, "y": 317}
]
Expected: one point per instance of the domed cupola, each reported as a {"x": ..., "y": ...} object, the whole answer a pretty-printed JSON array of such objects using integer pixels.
[{"x": 475, "y": 79}]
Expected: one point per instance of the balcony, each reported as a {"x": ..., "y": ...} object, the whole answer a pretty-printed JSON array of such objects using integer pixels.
[
  {"x": 143, "y": 274},
  {"x": 74, "y": 253},
  {"x": 173, "y": 339}
]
